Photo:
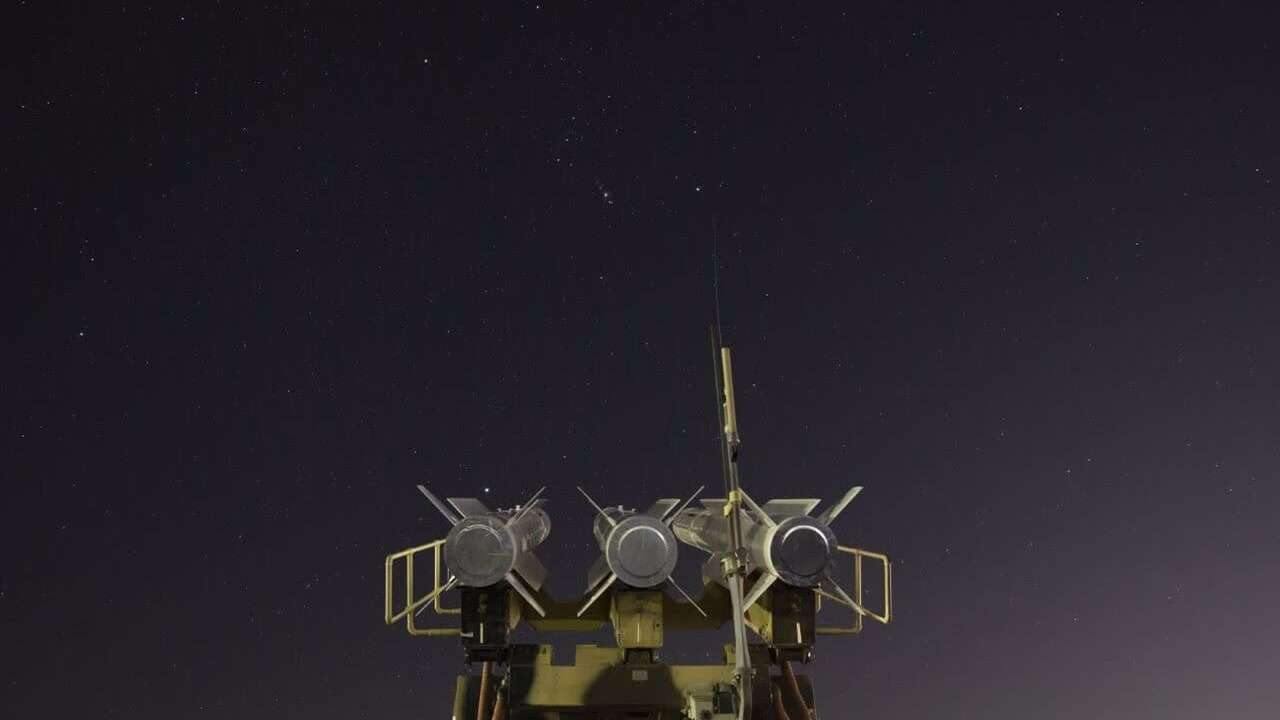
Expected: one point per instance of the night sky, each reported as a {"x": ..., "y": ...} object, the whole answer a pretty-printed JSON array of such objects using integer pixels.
[{"x": 1013, "y": 270}]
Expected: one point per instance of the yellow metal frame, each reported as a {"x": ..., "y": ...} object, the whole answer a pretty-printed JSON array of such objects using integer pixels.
[
  {"x": 858, "y": 554},
  {"x": 412, "y": 604}
]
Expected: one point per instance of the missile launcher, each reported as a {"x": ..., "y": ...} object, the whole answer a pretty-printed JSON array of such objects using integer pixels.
[{"x": 770, "y": 567}]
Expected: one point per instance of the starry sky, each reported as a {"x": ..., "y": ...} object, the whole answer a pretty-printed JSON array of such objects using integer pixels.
[{"x": 1012, "y": 269}]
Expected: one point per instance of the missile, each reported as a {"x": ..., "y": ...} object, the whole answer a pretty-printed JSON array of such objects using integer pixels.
[
  {"x": 780, "y": 540},
  {"x": 485, "y": 547},
  {"x": 636, "y": 548}
]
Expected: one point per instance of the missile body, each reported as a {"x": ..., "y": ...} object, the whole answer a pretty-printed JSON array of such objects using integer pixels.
[
  {"x": 797, "y": 548},
  {"x": 638, "y": 547},
  {"x": 482, "y": 549}
]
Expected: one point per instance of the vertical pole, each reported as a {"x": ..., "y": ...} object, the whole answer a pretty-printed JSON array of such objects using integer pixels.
[
  {"x": 795, "y": 690},
  {"x": 779, "y": 708},
  {"x": 408, "y": 581},
  {"x": 499, "y": 706},
  {"x": 482, "y": 703},
  {"x": 733, "y": 564},
  {"x": 857, "y": 589},
  {"x": 730, "y": 406}
]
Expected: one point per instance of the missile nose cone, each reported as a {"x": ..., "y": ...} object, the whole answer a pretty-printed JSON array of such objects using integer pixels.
[
  {"x": 801, "y": 550},
  {"x": 804, "y": 551},
  {"x": 641, "y": 551},
  {"x": 479, "y": 551}
]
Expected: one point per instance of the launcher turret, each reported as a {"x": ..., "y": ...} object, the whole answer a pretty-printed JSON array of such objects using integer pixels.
[{"x": 770, "y": 567}]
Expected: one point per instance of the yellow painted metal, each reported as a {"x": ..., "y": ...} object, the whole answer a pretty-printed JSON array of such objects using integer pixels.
[
  {"x": 562, "y": 615},
  {"x": 760, "y": 619},
  {"x": 599, "y": 677},
  {"x": 545, "y": 655},
  {"x": 637, "y": 618},
  {"x": 730, "y": 404},
  {"x": 592, "y": 655},
  {"x": 858, "y": 554},
  {"x": 887, "y": 580},
  {"x": 732, "y": 502},
  {"x": 460, "y": 697},
  {"x": 413, "y": 603}
]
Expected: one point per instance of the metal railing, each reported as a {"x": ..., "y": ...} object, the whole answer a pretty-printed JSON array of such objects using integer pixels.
[
  {"x": 886, "y": 601},
  {"x": 413, "y": 605}
]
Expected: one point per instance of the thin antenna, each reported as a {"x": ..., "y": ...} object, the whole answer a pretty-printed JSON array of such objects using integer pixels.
[
  {"x": 715, "y": 270},
  {"x": 605, "y": 515}
]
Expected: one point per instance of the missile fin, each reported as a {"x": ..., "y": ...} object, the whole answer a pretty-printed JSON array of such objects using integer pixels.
[
  {"x": 424, "y": 602},
  {"x": 660, "y": 508},
  {"x": 594, "y": 504},
  {"x": 598, "y": 593},
  {"x": 692, "y": 602},
  {"x": 468, "y": 507},
  {"x": 671, "y": 517},
  {"x": 598, "y": 571},
  {"x": 758, "y": 589},
  {"x": 712, "y": 570},
  {"x": 519, "y": 587},
  {"x": 755, "y": 509},
  {"x": 531, "y": 569},
  {"x": 829, "y": 515},
  {"x": 831, "y": 589},
  {"x": 444, "y": 509},
  {"x": 529, "y": 504},
  {"x": 780, "y": 508}
]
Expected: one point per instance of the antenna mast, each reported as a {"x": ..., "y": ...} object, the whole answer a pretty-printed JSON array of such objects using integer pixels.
[{"x": 733, "y": 565}]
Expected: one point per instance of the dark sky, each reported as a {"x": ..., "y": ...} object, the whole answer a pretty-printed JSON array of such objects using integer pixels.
[{"x": 1014, "y": 270}]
